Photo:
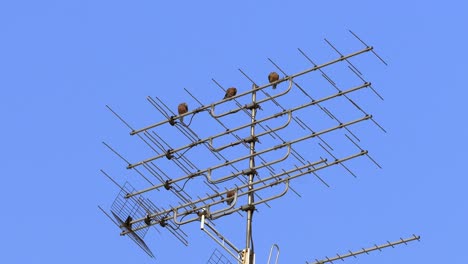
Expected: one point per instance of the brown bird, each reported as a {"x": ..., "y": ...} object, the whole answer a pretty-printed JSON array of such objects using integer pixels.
[
  {"x": 273, "y": 77},
  {"x": 182, "y": 109},
  {"x": 230, "y": 196},
  {"x": 230, "y": 92}
]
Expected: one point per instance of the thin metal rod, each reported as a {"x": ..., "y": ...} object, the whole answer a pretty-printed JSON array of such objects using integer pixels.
[
  {"x": 223, "y": 239},
  {"x": 310, "y": 129},
  {"x": 375, "y": 162},
  {"x": 286, "y": 189},
  {"x": 157, "y": 106},
  {"x": 333, "y": 47},
  {"x": 257, "y": 88},
  {"x": 112, "y": 219},
  {"x": 110, "y": 178},
  {"x": 346, "y": 168},
  {"x": 277, "y": 253},
  {"x": 367, "y": 250},
  {"x": 362, "y": 79},
  {"x": 368, "y": 46},
  {"x": 119, "y": 117},
  {"x": 120, "y": 156},
  {"x": 115, "y": 152},
  {"x": 173, "y": 230}
]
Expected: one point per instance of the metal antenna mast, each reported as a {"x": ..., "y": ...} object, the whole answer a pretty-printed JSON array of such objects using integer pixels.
[
  {"x": 201, "y": 158},
  {"x": 250, "y": 200}
]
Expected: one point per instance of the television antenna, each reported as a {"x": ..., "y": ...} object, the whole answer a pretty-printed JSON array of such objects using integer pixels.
[{"x": 223, "y": 172}]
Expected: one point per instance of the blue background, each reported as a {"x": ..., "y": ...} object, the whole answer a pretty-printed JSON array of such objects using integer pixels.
[{"x": 61, "y": 62}]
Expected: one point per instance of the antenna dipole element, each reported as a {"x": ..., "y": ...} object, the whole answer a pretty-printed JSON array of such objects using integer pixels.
[{"x": 366, "y": 250}]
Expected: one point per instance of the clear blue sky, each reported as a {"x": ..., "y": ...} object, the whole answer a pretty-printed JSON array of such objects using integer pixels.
[{"x": 61, "y": 62}]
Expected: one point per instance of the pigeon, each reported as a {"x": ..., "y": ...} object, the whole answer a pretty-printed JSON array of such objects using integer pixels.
[
  {"x": 182, "y": 109},
  {"x": 230, "y": 92},
  {"x": 230, "y": 196},
  {"x": 273, "y": 77}
]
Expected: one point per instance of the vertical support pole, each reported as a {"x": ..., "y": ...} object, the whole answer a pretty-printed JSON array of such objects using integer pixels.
[
  {"x": 250, "y": 197},
  {"x": 202, "y": 222}
]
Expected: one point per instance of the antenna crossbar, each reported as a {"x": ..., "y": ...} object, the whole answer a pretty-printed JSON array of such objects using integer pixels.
[
  {"x": 366, "y": 250},
  {"x": 220, "y": 239}
]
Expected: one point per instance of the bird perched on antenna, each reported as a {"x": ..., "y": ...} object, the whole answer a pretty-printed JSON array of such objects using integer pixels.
[
  {"x": 273, "y": 77},
  {"x": 182, "y": 109},
  {"x": 230, "y": 196},
  {"x": 230, "y": 92}
]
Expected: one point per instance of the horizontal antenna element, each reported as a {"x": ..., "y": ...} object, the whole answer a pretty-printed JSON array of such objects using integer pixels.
[{"x": 367, "y": 250}]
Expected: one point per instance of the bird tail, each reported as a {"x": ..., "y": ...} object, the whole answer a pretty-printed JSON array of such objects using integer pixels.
[
  {"x": 182, "y": 119},
  {"x": 274, "y": 86}
]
